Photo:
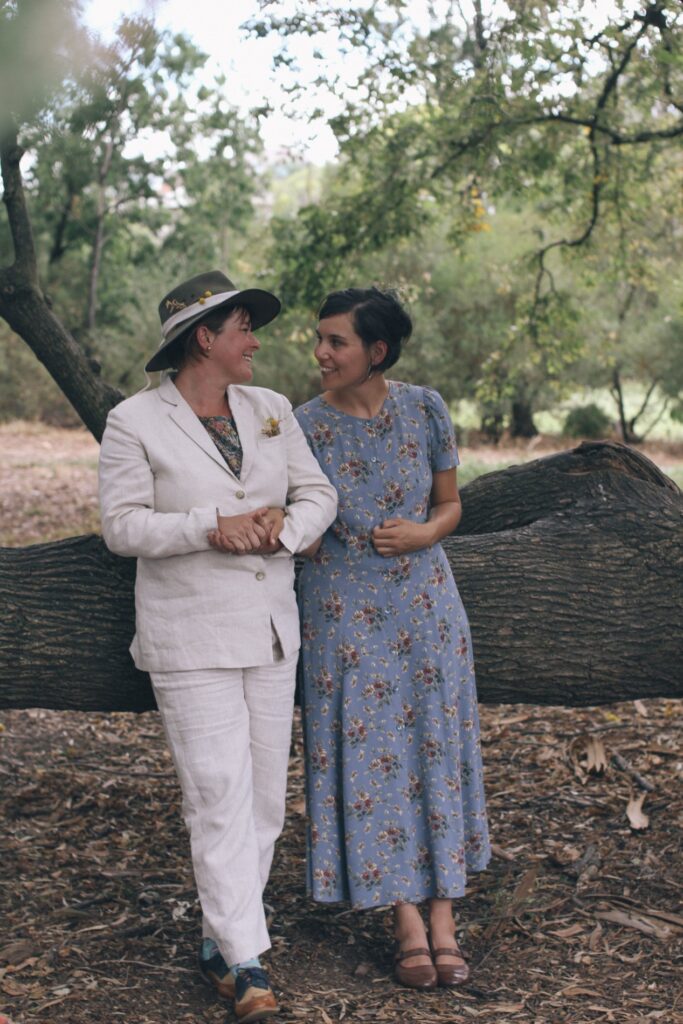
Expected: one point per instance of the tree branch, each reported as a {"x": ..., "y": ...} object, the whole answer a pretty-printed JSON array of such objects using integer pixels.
[
  {"x": 613, "y": 78},
  {"x": 507, "y": 125},
  {"x": 648, "y": 430},
  {"x": 24, "y": 307},
  {"x": 58, "y": 245},
  {"x": 644, "y": 404},
  {"x": 15, "y": 202},
  {"x": 615, "y": 137},
  {"x": 569, "y": 243}
]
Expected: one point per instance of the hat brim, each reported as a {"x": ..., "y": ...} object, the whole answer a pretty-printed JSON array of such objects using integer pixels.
[{"x": 262, "y": 306}]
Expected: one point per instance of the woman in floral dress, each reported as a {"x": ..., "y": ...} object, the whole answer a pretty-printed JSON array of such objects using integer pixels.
[{"x": 394, "y": 774}]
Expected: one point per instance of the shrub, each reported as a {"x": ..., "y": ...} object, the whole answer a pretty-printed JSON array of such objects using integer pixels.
[{"x": 587, "y": 421}]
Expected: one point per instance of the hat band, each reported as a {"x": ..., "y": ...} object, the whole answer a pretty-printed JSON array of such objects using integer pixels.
[{"x": 202, "y": 306}]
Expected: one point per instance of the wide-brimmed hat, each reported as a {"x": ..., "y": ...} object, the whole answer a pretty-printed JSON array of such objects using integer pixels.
[{"x": 193, "y": 299}]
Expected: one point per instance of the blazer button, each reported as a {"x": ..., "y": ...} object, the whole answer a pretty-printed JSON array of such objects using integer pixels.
[
  {"x": 240, "y": 494},
  {"x": 260, "y": 575}
]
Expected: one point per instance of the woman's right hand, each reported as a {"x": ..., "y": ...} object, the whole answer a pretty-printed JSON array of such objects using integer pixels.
[{"x": 238, "y": 535}]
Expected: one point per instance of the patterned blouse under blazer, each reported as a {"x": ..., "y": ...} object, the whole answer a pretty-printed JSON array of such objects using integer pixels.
[{"x": 162, "y": 479}]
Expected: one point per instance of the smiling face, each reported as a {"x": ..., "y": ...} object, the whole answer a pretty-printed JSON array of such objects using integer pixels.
[
  {"x": 343, "y": 357},
  {"x": 231, "y": 347}
]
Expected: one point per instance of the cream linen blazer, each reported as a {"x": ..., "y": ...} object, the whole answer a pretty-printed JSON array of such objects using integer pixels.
[{"x": 161, "y": 481}]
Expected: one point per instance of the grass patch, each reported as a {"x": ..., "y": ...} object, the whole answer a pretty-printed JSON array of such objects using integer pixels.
[
  {"x": 676, "y": 474},
  {"x": 472, "y": 468},
  {"x": 666, "y": 429},
  {"x": 466, "y": 414}
]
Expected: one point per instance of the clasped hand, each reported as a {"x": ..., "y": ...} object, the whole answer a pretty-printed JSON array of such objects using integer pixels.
[{"x": 254, "y": 532}]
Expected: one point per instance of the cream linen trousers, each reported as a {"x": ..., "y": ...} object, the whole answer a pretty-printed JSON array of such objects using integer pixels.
[{"x": 229, "y": 732}]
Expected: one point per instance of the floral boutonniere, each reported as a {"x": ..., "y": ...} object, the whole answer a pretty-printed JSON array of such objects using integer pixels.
[{"x": 271, "y": 427}]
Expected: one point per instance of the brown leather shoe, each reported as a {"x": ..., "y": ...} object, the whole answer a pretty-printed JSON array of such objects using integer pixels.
[
  {"x": 449, "y": 974},
  {"x": 254, "y": 998},
  {"x": 215, "y": 970},
  {"x": 420, "y": 976}
]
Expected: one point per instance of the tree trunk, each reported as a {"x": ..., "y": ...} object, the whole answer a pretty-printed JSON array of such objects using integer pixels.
[
  {"x": 626, "y": 426},
  {"x": 522, "y": 420},
  {"x": 68, "y": 620},
  {"x": 23, "y": 306},
  {"x": 570, "y": 567},
  {"x": 58, "y": 247}
]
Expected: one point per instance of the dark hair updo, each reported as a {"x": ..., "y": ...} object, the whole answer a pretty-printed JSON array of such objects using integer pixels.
[{"x": 376, "y": 316}]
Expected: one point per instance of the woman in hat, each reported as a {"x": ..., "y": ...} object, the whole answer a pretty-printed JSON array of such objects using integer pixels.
[
  {"x": 393, "y": 773},
  {"x": 210, "y": 484}
]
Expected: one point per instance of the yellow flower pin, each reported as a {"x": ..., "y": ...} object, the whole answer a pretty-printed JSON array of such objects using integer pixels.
[{"x": 271, "y": 428}]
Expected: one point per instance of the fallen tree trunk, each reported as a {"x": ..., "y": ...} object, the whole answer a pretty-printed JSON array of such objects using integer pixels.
[
  {"x": 571, "y": 568},
  {"x": 574, "y": 481}
]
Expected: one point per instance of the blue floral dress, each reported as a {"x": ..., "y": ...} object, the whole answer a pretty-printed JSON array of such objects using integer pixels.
[{"x": 393, "y": 761}]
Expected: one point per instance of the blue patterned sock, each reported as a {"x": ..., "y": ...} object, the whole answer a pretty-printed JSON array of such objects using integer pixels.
[
  {"x": 254, "y": 962},
  {"x": 209, "y": 948}
]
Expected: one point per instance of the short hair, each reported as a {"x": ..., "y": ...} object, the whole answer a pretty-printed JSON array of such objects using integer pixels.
[
  {"x": 186, "y": 347},
  {"x": 376, "y": 315}
]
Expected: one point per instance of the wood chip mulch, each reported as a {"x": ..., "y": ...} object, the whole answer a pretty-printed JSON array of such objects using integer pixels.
[{"x": 579, "y": 917}]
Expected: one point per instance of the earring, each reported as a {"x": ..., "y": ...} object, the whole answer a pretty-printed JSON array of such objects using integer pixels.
[{"x": 208, "y": 347}]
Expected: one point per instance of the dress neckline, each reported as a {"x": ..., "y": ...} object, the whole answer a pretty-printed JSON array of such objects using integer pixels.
[{"x": 362, "y": 419}]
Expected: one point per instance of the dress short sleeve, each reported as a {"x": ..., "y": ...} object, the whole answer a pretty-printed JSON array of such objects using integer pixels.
[{"x": 443, "y": 451}]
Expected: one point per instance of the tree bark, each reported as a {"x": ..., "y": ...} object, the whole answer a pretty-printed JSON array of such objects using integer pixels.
[
  {"x": 570, "y": 567},
  {"x": 68, "y": 619}
]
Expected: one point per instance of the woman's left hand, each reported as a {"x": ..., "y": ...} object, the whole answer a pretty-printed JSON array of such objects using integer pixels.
[{"x": 399, "y": 536}]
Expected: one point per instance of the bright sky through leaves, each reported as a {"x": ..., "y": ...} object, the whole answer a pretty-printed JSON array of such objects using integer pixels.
[{"x": 246, "y": 63}]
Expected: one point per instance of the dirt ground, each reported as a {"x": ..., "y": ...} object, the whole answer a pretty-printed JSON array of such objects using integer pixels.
[{"x": 578, "y": 918}]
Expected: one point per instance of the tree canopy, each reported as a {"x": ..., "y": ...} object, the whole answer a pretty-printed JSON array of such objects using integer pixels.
[
  {"x": 133, "y": 170},
  {"x": 514, "y": 169},
  {"x": 563, "y": 111}
]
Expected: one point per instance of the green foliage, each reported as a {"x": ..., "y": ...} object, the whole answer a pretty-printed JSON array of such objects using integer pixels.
[
  {"x": 135, "y": 174},
  {"x": 630, "y": 294},
  {"x": 27, "y": 391},
  {"x": 566, "y": 112},
  {"x": 40, "y": 41},
  {"x": 515, "y": 176},
  {"x": 586, "y": 421}
]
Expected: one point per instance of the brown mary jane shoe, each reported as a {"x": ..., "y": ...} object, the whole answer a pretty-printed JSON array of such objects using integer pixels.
[
  {"x": 420, "y": 976},
  {"x": 449, "y": 974}
]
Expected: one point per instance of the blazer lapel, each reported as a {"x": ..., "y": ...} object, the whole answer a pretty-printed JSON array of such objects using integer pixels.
[
  {"x": 183, "y": 416},
  {"x": 243, "y": 414}
]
